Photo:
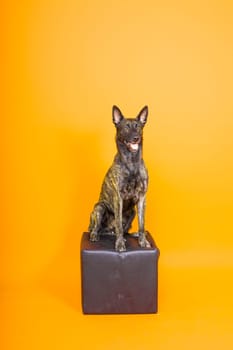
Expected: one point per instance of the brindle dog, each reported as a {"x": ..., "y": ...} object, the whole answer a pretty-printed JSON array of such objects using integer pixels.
[{"x": 124, "y": 185}]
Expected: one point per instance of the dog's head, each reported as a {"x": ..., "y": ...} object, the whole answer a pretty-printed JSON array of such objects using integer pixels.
[{"x": 129, "y": 130}]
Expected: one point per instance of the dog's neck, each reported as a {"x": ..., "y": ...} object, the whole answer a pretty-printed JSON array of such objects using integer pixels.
[{"x": 130, "y": 159}]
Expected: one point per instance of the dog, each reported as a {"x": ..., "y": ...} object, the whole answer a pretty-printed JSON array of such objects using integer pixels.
[{"x": 124, "y": 186}]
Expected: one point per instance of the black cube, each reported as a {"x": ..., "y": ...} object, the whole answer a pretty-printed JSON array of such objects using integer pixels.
[{"x": 118, "y": 283}]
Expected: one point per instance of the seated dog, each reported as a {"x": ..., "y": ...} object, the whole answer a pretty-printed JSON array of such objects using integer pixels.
[{"x": 124, "y": 186}]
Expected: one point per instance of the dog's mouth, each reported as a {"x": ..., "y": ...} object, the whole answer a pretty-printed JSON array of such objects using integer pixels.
[{"x": 133, "y": 146}]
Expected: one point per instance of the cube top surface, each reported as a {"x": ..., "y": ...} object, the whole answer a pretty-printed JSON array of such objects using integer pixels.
[{"x": 107, "y": 243}]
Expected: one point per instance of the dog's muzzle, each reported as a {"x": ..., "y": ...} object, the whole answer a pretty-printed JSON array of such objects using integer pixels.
[{"x": 134, "y": 145}]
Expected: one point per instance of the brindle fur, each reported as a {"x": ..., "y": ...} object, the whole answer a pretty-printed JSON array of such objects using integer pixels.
[{"x": 124, "y": 186}]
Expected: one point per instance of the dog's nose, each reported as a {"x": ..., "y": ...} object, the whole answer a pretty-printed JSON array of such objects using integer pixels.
[{"x": 136, "y": 139}]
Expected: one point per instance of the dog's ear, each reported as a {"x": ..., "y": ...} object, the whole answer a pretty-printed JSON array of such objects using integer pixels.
[
  {"x": 142, "y": 117},
  {"x": 116, "y": 115}
]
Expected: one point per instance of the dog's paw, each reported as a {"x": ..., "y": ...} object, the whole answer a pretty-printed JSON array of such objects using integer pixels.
[
  {"x": 143, "y": 242},
  {"x": 120, "y": 244},
  {"x": 94, "y": 236}
]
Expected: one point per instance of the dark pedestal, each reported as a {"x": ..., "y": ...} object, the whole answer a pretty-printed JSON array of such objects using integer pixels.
[{"x": 118, "y": 283}]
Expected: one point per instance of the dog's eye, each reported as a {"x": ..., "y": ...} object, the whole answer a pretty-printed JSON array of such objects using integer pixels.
[{"x": 127, "y": 126}]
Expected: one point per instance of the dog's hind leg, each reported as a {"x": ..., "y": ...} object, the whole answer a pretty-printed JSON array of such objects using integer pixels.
[{"x": 96, "y": 221}]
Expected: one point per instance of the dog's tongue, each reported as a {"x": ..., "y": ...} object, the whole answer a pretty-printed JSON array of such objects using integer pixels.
[{"x": 134, "y": 146}]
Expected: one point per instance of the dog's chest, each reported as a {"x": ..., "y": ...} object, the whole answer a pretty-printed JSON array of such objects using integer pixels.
[{"x": 132, "y": 186}]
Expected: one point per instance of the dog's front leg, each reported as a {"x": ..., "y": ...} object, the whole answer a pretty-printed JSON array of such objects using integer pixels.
[
  {"x": 118, "y": 206},
  {"x": 143, "y": 242}
]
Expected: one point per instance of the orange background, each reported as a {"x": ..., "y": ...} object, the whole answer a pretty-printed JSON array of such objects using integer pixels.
[{"x": 65, "y": 63}]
